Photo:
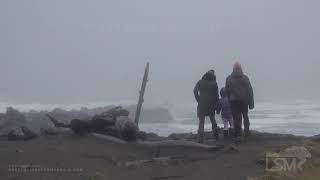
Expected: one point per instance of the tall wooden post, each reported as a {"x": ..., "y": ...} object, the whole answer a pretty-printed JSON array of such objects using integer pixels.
[{"x": 143, "y": 89}]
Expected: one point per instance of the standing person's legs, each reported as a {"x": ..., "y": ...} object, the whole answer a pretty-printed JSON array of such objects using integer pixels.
[
  {"x": 231, "y": 123},
  {"x": 225, "y": 124},
  {"x": 201, "y": 130},
  {"x": 237, "y": 117},
  {"x": 231, "y": 129},
  {"x": 246, "y": 121},
  {"x": 214, "y": 124},
  {"x": 226, "y": 127}
]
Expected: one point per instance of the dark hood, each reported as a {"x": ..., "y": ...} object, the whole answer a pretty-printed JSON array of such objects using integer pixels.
[{"x": 209, "y": 77}]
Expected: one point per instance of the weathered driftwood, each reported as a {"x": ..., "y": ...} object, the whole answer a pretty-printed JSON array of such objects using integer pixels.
[
  {"x": 159, "y": 144},
  {"x": 113, "y": 122},
  {"x": 143, "y": 88}
]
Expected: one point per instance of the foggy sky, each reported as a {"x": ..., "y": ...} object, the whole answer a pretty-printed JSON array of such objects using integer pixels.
[{"x": 79, "y": 51}]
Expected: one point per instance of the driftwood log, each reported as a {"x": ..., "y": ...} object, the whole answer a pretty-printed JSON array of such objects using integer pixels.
[
  {"x": 159, "y": 144},
  {"x": 114, "y": 122},
  {"x": 115, "y": 126}
]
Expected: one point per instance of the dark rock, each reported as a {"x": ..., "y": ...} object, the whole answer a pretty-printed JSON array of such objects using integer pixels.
[{"x": 12, "y": 120}]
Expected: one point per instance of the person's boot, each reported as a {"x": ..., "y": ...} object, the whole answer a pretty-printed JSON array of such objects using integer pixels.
[
  {"x": 237, "y": 137},
  {"x": 237, "y": 140},
  {"x": 200, "y": 137},
  {"x": 231, "y": 132},
  {"x": 216, "y": 134},
  {"x": 247, "y": 133},
  {"x": 225, "y": 134}
]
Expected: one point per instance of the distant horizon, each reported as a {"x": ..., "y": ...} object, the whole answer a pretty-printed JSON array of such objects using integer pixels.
[{"x": 100, "y": 104}]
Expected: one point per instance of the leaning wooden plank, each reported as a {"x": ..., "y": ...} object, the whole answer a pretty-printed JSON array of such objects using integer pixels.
[{"x": 141, "y": 94}]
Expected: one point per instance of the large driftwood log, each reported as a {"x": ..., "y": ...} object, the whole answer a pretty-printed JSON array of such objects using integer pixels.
[
  {"x": 159, "y": 144},
  {"x": 113, "y": 122}
]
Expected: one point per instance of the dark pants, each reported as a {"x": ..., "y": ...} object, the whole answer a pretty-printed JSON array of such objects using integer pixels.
[
  {"x": 201, "y": 126},
  {"x": 239, "y": 110}
]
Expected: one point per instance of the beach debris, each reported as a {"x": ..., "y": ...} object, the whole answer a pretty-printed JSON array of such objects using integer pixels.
[
  {"x": 126, "y": 129},
  {"x": 141, "y": 94},
  {"x": 114, "y": 122},
  {"x": 159, "y": 144}
]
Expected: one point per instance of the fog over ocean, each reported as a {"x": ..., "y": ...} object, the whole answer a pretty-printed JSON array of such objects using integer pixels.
[{"x": 287, "y": 117}]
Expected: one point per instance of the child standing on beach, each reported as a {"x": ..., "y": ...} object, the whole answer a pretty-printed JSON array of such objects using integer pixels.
[{"x": 226, "y": 113}]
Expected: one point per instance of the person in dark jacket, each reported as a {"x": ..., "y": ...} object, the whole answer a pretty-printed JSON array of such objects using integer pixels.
[
  {"x": 240, "y": 93},
  {"x": 207, "y": 95}
]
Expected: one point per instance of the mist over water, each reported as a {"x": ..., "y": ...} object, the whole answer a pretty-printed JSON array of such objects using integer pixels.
[
  {"x": 68, "y": 52},
  {"x": 299, "y": 118},
  {"x": 78, "y": 53}
]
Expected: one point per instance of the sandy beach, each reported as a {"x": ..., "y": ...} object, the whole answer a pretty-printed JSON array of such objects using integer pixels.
[{"x": 89, "y": 158}]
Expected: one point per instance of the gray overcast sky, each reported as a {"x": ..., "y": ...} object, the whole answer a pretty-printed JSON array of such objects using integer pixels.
[{"x": 78, "y": 51}]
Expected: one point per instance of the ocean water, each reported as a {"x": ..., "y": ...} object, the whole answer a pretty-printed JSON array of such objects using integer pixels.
[{"x": 300, "y": 118}]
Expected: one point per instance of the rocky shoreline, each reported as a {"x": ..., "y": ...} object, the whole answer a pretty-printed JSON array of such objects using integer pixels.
[{"x": 177, "y": 156}]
